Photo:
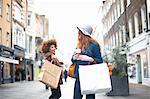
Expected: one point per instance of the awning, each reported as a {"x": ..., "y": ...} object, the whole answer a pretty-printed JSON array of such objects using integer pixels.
[{"x": 9, "y": 60}]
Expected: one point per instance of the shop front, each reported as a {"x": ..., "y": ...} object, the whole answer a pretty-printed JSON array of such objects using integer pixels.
[
  {"x": 7, "y": 63},
  {"x": 138, "y": 69},
  {"x": 19, "y": 54},
  {"x": 29, "y": 69}
]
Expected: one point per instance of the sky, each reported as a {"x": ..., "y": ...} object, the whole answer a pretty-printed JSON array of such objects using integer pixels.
[{"x": 64, "y": 16}]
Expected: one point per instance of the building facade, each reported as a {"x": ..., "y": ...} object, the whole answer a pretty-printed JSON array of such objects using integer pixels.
[
  {"x": 41, "y": 30},
  {"x": 7, "y": 60},
  {"x": 19, "y": 39},
  {"x": 126, "y": 25},
  {"x": 19, "y": 24},
  {"x": 30, "y": 41}
]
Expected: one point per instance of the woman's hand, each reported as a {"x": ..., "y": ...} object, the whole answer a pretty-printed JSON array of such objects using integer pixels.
[{"x": 76, "y": 57}]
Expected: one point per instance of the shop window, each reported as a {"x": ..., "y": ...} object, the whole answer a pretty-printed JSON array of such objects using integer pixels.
[
  {"x": 145, "y": 65},
  {"x": 7, "y": 71}
]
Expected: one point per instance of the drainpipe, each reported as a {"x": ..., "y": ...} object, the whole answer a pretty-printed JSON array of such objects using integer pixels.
[
  {"x": 147, "y": 20},
  {"x": 12, "y": 65},
  {"x": 11, "y": 24}
]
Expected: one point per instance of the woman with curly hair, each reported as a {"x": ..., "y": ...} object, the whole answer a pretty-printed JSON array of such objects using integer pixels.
[{"x": 48, "y": 50}]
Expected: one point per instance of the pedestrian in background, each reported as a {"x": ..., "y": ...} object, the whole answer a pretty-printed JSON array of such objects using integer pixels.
[
  {"x": 65, "y": 75},
  {"x": 48, "y": 49},
  {"x": 88, "y": 52}
]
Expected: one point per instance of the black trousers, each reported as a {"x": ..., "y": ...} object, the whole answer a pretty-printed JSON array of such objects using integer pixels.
[
  {"x": 56, "y": 93},
  {"x": 90, "y": 96}
]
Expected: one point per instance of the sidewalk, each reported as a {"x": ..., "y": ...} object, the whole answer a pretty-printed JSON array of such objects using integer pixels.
[
  {"x": 24, "y": 90},
  {"x": 137, "y": 91},
  {"x": 36, "y": 90}
]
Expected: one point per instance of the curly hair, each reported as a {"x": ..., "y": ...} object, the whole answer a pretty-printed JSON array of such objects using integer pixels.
[{"x": 46, "y": 45}]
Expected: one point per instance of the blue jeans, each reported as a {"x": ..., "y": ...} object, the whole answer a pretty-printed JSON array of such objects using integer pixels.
[{"x": 77, "y": 90}]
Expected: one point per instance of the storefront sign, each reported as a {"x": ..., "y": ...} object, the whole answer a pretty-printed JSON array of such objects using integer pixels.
[{"x": 9, "y": 60}]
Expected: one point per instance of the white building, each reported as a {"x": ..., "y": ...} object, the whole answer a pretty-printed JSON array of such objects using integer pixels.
[
  {"x": 127, "y": 24},
  {"x": 30, "y": 41}
]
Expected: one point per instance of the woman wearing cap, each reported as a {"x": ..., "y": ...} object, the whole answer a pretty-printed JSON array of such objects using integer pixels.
[
  {"x": 48, "y": 49},
  {"x": 88, "y": 52}
]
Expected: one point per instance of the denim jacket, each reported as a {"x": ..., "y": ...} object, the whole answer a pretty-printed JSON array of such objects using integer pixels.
[{"x": 92, "y": 50}]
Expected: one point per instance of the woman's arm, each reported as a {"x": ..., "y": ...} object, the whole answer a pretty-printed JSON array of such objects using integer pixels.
[{"x": 97, "y": 54}]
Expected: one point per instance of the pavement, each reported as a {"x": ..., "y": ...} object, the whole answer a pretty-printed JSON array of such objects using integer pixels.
[{"x": 36, "y": 90}]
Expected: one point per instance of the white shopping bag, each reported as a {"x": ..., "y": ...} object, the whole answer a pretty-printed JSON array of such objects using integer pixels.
[{"x": 94, "y": 78}]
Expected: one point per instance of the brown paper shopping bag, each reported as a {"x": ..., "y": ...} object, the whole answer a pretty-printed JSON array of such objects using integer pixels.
[{"x": 50, "y": 74}]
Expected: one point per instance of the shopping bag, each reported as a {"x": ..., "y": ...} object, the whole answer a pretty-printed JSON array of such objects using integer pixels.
[
  {"x": 71, "y": 70},
  {"x": 50, "y": 74},
  {"x": 94, "y": 78}
]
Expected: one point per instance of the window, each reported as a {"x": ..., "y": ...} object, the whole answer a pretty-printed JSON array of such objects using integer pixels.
[
  {"x": 122, "y": 6},
  {"x": 140, "y": 23},
  {"x": 0, "y": 7},
  {"x": 123, "y": 34},
  {"x": 143, "y": 15},
  {"x": 27, "y": 43},
  {"x": 17, "y": 37},
  {"x": 128, "y": 2},
  {"x": 120, "y": 37},
  {"x": 118, "y": 8},
  {"x": 29, "y": 18},
  {"x": 133, "y": 28},
  {"x": 30, "y": 44},
  {"x": 18, "y": 12},
  {"x": 8, "y": 12},
  {"x": 29, "y": 21},
  {"x": 136, "y": 23},
  {"x": 127, "y": 34},
  {"x": 20, "y": 38},
  {"x": 7, "y": 39},
  {"x": 115, "y": 13},
  {"x": 0, "y": 36},
  {"x": 117, "y": 39}
]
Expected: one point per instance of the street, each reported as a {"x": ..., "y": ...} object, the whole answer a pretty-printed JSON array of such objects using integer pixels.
[{"x": 36, "y": 90}]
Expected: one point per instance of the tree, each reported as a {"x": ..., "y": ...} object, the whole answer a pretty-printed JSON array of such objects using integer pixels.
[
  {"x": 119, "y": 62},
  {"x": 119, "y": 78}
]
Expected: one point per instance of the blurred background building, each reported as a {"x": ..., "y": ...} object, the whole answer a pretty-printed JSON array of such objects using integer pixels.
[
  {"x": 126, "y": 25},
  {"x": 19, "y": 40}
]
